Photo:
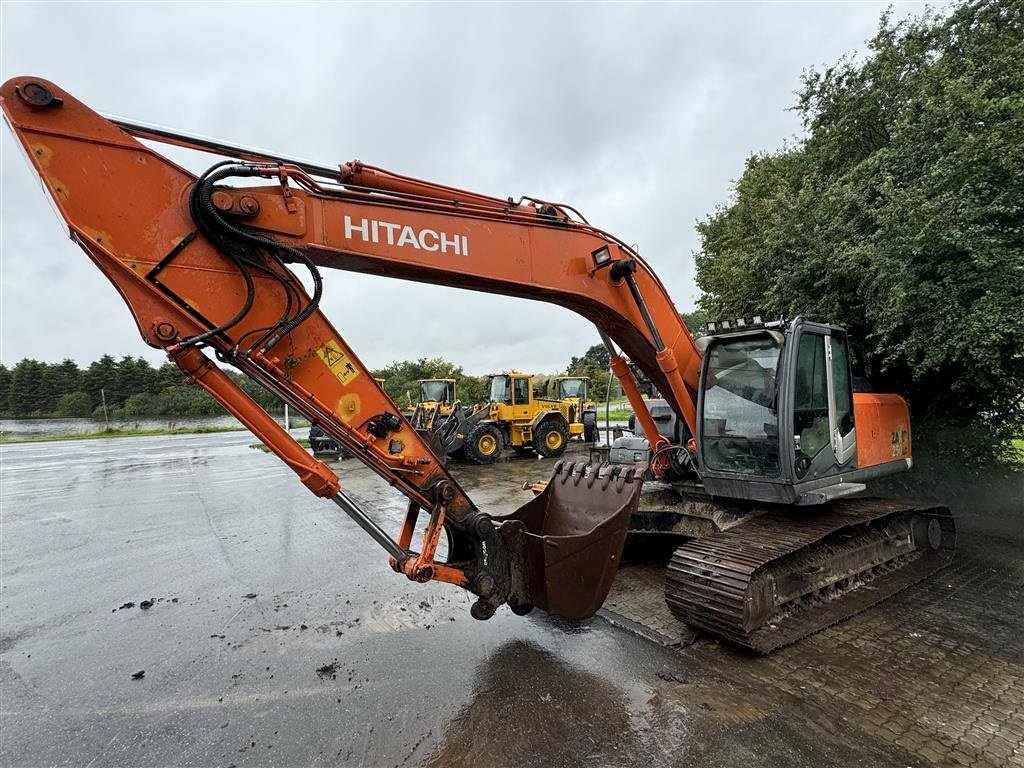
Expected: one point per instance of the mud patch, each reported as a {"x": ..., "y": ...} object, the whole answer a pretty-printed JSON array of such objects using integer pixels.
[{"x": 328, "y": 671}]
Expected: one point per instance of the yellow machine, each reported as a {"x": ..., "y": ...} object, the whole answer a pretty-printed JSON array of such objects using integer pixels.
[
  {"x": 517, "y": 417},
  {"x": 437, "y": 398},
  {"x": 576, "y": 391}
]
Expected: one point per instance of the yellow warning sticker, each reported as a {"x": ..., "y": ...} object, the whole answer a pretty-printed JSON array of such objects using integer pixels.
[{"x": 335, "y": 359}]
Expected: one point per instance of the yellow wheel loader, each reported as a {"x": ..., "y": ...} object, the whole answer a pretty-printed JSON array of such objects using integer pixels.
[
  {"x": 576, "y": 391},
  {"x": 516, "y": 417},
  {"x": 437, "y": 398}
]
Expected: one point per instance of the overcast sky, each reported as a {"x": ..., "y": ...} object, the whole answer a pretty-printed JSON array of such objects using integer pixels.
[{"x": 639, "y": 116}]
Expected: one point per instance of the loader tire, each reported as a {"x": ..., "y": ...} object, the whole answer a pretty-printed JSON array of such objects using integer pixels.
[
  {"x": 550, "y": 439},
  {"x": 591, "y": 434},
  {"x": 483, "y": 444}
]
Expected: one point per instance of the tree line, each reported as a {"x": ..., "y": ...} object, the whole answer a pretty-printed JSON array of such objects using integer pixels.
[
  {"x": 128, "y": 388},
  {"x": 131, "y": 387}
]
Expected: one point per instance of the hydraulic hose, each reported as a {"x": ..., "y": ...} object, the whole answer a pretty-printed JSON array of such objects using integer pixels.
[{"x": 226, "y": 234}]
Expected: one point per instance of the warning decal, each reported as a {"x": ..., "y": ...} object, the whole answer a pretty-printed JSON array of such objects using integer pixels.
[{"x": 338, "y": 362}]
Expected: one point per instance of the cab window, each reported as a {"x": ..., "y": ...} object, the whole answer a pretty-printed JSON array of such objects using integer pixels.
[
  {"x": 500, "y": 391},
  {"x": 810, "y": 397},
  {"x": 739, "y": 421},
  {"x": 841, "y": 383},
  {"x": 521, "y": 391},
  {"x": 572, "y": 388}
]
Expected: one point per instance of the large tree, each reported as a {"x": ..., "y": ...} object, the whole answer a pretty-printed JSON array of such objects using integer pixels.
[
  {"x": 29, "y": 394},
  {"x": 899, "y": 215}
]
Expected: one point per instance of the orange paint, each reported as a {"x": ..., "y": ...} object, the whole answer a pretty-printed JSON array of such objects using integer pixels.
[{"x": 883, "y": 428}]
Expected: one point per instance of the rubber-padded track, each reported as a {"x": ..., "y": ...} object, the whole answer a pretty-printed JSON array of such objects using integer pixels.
[{"x": 711, "y": 580}]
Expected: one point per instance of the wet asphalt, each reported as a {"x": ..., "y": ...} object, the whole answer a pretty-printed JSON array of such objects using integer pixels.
[{"x": 277, "y": 635}]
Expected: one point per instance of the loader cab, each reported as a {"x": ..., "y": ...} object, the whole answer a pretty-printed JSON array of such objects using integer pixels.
[
  {"x": 437, "y": 390},
  {"x": 776, "y": 415},
  {"x": 511, "y": 395},
  {"x": 572, "y": 386},
  {"x": 437, "y": 399}
]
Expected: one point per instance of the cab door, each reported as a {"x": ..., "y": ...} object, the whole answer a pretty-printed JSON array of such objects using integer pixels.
[
  {"x": 823, "y": 429},
  {"x": 521, "y": 397},
  {"x": 811, "y": 417},
  {"x": 840, "y": 395}
]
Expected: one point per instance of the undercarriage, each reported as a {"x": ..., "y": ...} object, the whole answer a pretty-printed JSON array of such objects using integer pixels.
[{"x": 763, "y": 576}]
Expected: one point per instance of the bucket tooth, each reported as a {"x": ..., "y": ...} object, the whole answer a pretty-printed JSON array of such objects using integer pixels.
[{"x": 566, "y": 543}]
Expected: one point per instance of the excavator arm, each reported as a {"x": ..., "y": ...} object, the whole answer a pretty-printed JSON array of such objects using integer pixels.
[{"x": 209, "y": 263}]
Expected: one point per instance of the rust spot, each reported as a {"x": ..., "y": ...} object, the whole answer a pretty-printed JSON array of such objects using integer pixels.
[
  {"x": 222, "y": 200},
  {"x": 60, "y": 191},
  {"x": 42, "y": 153},
  {"x": 348, "y": 407},
  {"x": 101, "y": 237}
]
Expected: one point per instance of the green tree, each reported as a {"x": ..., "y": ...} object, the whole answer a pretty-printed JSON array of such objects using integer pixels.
[
  {"x": 49, "y": 389},
  {"x": 595, "y": 358},
  {"x": 270, "y": 403},
  {"x": 140, "y": 404},
  {"x": 68, "y": 377},
  {"x": 471, "y": 389},
  {"x": 168, "y": 375},
  {"x": 696, "y": 322},
  {"x": 900, "y": 215},
  {"x": 27, "y": 396},
  {"x": 5, "y": 388},
  {"x": 133, "y": 375},
  {"x": 74, "y": 405},
  {"x": 187, "y": 400},
  {"x": 101, "y": 377}
]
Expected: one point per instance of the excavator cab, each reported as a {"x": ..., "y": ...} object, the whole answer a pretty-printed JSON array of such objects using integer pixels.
[{"x": 777, "y": 414}]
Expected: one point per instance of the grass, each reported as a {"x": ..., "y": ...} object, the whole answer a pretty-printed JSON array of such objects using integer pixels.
[
  {"x": 107, "y": 433},
  {"x": 615, "y": 414},
  {"x": 618, "y": 410},
  {"x": 1019, "y": 447}
]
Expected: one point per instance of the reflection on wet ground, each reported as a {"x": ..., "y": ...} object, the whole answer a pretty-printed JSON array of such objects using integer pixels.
[
  {"x": 277, "y": 635},
  {"x": 530, "y": 703}
]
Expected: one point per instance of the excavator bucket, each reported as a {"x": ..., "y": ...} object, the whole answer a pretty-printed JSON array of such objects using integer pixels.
[{"x": 565, "y": 544}]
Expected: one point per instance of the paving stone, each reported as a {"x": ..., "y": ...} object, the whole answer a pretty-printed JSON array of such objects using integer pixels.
[{"x": 937, "y": 669}]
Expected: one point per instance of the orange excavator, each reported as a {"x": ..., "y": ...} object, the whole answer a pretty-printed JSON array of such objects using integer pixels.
[{"x": 775, "y": 447}]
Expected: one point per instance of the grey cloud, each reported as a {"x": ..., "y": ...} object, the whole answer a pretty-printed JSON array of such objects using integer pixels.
[{"x": 638, "y": 115}]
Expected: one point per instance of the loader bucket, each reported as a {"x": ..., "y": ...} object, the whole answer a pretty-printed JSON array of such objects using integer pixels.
[{"x": 565, "y": 544}]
